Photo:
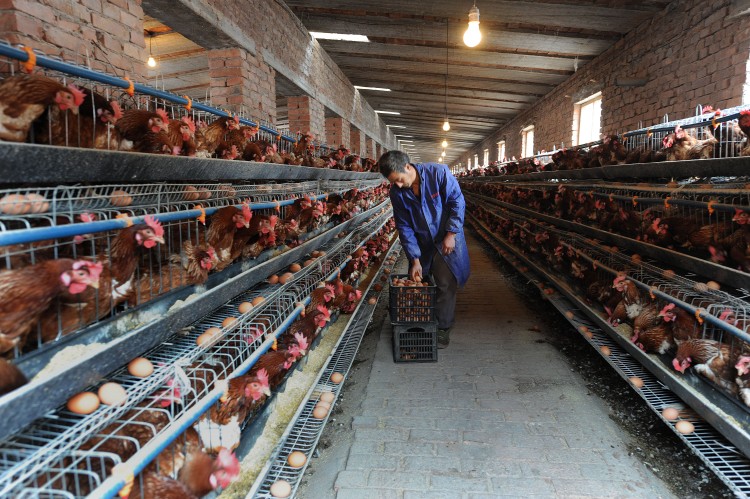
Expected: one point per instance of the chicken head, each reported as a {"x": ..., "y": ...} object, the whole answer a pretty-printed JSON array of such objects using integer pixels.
[
  {"x": 226, "y": 469},
  {"x": 82, "y": 275}
]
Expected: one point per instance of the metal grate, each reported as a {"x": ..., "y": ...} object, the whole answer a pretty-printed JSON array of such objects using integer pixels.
[
  {"x": 52, "y": 442},
  {"x": 729, "y": 464},
  {"x": 304, "y": 430}
]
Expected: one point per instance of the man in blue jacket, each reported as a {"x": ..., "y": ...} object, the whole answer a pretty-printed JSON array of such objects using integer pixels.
[{"x": 428, "y": 207}]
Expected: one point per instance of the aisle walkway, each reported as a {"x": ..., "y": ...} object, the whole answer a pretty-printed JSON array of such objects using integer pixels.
[{"x": 500, "y": 415}]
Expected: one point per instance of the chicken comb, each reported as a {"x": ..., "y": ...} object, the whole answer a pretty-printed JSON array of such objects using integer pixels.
[
  {"x": 189, "y": 122},
  {"x": 95, "y": 269},
  {"x": 619, "y": 279},
  {"x": 323, "y": 310},
  {"x": 726, "y": 313},
  {"x": 301, "y": 340},
  {"x": 262, "y": 376},
  {"x": 162, "y": 114},
  {"x": 116, "y": 110},
  {"x": 667, "y": 308},
  {"x": 87, "y": 217},
  {"x": 78, "y": 94},
  {"x": 247, "y": 212},
  {"x": 655, "y": 224},
  {"x": 331, "y": 288},
  {"x": 155, "y": 225},
  {"x": 228, "y": 462},
  {"x": 273, "y": 219},
  {"x": 745, "y": 112},
  {"x": 743, "y": 365}
]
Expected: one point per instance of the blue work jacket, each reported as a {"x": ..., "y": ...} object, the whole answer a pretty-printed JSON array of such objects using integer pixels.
[{"x": 422, "y": 223}]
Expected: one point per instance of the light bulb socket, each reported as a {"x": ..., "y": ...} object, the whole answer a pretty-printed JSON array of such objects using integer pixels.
[{"x": 474, "y": 14}]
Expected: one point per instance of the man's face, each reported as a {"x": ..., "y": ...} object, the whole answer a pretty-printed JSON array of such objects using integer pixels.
[{"x": 402, "y": 180}]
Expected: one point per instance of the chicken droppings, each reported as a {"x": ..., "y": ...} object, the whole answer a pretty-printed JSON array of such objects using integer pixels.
[
  {"x": 287, "y": 403},
  {"x": 67, "y": 357}
]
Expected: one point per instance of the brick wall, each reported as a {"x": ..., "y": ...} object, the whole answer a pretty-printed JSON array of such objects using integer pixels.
[
  {"x": 369, "y": 147},
  {"x": 691, "y": 53},
  {"x": 338, "y": 132},
  {"x": 111, "y": 31},
  {"x": 286, "y": 45},
  {"x": 307, "y": 115},
  {"x": 242, "y": 82},
  {"x": 357, "y": 140}
]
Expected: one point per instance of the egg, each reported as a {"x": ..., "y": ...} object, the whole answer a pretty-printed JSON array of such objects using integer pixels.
[
  {"x": 636, "y": 258},
  {"x": 713, "y": 285},
  {"x": 315, "y": 254},
  {"x": 83, "y": 403},
  {"x": 636, "y": 381},
  {"x": 245, "y": 307},
  {"x": 668, "y": 274},
  {"x": 319, "y": 412},
  {"x": 295, "y": 267},
  {"x": 605, "y": 350},
  {"x": 229, "y": 321},
  {"x": 700, "y": 287},
  {"x": 309, "y": 262},
  {"x": 386, "y": 271},
  {"x": 257, "y": 301},
  {"x": 14, "y": 204},
  {"x": 589, "y": 335},
  {"x": 378, "y": 287},
  {"x": 372, "y": 301},
  {"x": 140, "y": 367},
  {"x": 324, "y": 405},
  {"x": 296, "y": 459},
  {"x": 191, "y": 193},
  {"x": 285, "y": 277},
  {"x": 383, "y": 278},
  {"x": 227, "y": 190},
  {"x": 684, "y": 427},
  {"x": 37, "y": 203},
  {"x": 327, "y": 397},
  {"x": 569, "y": 314},
  {"x": 120, "y": 198},
  {"x": 337, "y": 378},
  {"x": 204, "y": 193},
  {"x": 281, "y": 488},
  {"x": 670, "y": 413},
  {"x": 112, "y": 394},
  {"x": 583, "y": 329},
  {"x": 207, "y": 335},
  {"x": 274, "y": 279},
  {"x": 321, "y": 253}
]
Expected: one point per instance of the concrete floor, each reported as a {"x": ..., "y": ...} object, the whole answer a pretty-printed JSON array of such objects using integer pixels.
[{"x": 501, "y": 414}]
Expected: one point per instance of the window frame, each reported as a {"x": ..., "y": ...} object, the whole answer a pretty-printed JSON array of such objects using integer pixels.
[
  {"x": 580, "y": 111},
  {"x": 501, "y": 151},
  {"x": 525, "y": 146}
]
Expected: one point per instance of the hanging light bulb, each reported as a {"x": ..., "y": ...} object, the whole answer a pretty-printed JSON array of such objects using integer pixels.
[
  {"x": 443, "y": 154},
  {"x": 446, "y": 125},
  {"x": 444, "y": 144},
  {"x": 473, "y": 36},
  {"x": 151, "y": 61}
]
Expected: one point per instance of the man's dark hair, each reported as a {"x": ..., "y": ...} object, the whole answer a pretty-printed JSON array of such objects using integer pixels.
[{"x": 393, "y": 161}]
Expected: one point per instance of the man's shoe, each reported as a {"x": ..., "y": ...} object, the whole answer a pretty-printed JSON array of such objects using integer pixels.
[{"x": 443, "y": 338}]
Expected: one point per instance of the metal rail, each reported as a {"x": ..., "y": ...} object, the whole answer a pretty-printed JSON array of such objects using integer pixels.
[
  {"x": 56, "y": 165},
  {"x": 304, "y": 431},
  {"x": 706, "y": 268},
  {"x": 144, "y": 331},
  {"x": 719, "y": 455},
  {"x": 186, "y": 353}
]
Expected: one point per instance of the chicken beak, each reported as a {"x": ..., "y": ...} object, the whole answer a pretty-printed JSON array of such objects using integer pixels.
[
  {"x": 74, "y": 110},
  {"x": 94, "y": 284},
  {"x": 158, "y": 239},
  {"x": 267, "y": 391}
]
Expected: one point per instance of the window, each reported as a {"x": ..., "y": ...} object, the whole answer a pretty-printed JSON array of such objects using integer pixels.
[
  {"x": 476, "y": 161},
  {"x": 501, "y": 151},
  {"x": 468, "y": 163},
  {"x": 587, "y": 118},
  {"x": 527, "y": 142},
  {"x": 486, "y": 158}
]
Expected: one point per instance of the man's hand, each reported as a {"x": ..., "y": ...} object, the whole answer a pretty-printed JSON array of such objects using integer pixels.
[
  {"x": 449, "y": 243},
  {"x": 416, "y": 270}
]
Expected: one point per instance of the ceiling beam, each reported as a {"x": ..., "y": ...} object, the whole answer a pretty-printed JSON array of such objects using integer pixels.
[
  {"x": 456, "y": 57},
  {"x": 362, "y": 63},
  {"x": 501, "y": 40},
  {"x": 451, "y": 100},
  {"x": 393, "y": 78},
  {"x": 549, "y": 15}
]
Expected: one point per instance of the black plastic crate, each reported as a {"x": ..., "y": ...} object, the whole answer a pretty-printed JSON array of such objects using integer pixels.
[
  {"x": 412, "y": 304},
  {"x": 415, "y": 342}
]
